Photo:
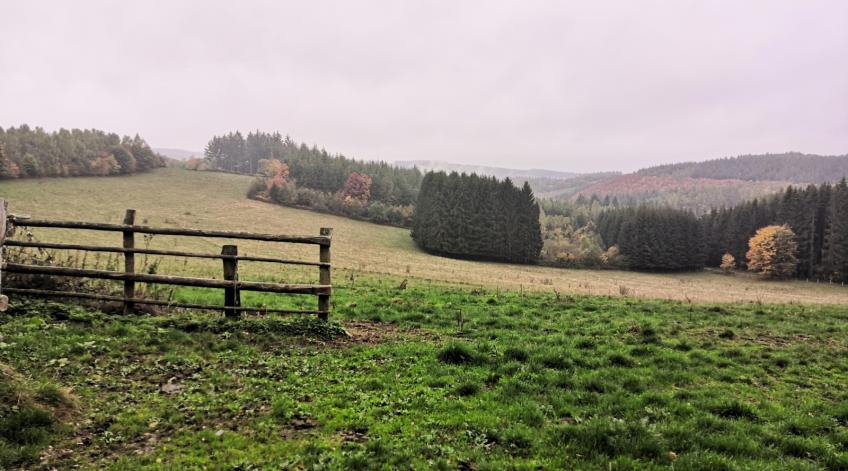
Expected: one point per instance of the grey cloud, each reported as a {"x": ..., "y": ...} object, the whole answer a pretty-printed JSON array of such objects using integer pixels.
[{"x": 575, "y": 86}]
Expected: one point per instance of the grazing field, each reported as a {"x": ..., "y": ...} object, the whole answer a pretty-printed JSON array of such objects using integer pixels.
[
  {"x": 469, "y": 366},
  {"x": 432, "y": 377},
  {"x": 173, "y": 197}
]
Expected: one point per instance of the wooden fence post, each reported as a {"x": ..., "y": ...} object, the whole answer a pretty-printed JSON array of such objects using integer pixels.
[
  {"x": 4, "y": 301},
  {"x": 232, "y": 297},
  {"x": 324, "y": 278},
  {"x": 129, "y": 260}
]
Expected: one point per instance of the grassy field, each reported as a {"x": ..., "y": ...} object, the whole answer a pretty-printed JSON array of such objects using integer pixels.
[
  {"x": 173, "y": 197},
  {"x": 433, "y": 377},
  {"x": 474, "y": 366}
]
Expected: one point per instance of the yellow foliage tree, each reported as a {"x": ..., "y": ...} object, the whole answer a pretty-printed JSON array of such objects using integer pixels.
[
  {"x": 728, "y": 263},
  {"x": 772, "y": 252}
]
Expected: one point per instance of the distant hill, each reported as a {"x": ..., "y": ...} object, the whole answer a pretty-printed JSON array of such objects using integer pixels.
[
  {"x": 179, "y": 154},
  {"x": 695, "y": 194},
  {"x": 499, "y": 172},
  {"x": 700, "y": 186},
  {"x": 792, "y": 166}
]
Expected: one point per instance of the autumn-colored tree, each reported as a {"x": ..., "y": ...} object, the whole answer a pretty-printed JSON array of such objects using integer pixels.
[
  {"x": 8, "y": 169},
  {"x": 272, "y": 168},
  {"x": 104, "y": 164},
  {"x": 728, "y": 263},
  {"x": 193, "y": 163},
  {"x": 357, "y": 187},
  {"x": 773, "y": 252}
]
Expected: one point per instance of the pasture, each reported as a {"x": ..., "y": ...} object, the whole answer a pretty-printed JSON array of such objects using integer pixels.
[
  {"x": 173, "y": 197},
  {"x": 472, "y": 366},
  {"x": 436, "y": 377}
]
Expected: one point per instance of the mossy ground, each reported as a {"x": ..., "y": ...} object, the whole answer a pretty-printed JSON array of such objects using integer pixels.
[{"x": 530, "y": 381}]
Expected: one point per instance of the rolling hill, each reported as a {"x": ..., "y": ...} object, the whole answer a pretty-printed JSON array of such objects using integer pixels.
[
  {"x": 176, "y": 197},
  {"x": 700, "y": 186},
  {"x": 792, "y": 167}
]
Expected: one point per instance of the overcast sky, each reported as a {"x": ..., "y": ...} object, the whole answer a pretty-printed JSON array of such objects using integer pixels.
[{"x": 574, "y": 86}]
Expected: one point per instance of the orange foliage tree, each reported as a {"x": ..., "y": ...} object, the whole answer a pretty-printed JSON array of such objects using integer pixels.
[
  {"x": 772, "y": 252},
  {"x": 357, "y": 187},
  {"x": 728, "y": 263}
]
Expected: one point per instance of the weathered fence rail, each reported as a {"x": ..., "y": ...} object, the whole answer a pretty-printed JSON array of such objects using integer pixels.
[{"x": 230, "y": 282}]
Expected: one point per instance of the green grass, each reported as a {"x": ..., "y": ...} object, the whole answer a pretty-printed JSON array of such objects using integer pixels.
[
  {"x": 530, "y": 382},
  {"x": 174, "y": 197}
]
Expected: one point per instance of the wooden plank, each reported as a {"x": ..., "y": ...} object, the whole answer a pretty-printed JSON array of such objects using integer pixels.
[
  {"x": 324, "y": 275},
  {"x": 129, "y": 260},
  {"x": 168, "y": 280},
  {"x": 173, "y": 231},
  {"x": 156, "y": 302},
  {"x": 167, "y": 253},
  {"x": 231, "y": 294}
]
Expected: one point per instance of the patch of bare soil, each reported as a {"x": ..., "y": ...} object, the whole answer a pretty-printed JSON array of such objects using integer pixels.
[{"x": 372, "y": 333}]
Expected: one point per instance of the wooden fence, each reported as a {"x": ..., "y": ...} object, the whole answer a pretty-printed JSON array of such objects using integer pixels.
[{"x": 230, "y": 282}]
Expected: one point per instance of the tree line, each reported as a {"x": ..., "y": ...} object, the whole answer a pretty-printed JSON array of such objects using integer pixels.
[
  {"x": 470, "y": 216},
  {"x": 655, "y": 238},
  {"x": 310, "y": 167},
  {"x": 27, "y": 152},
  {"x": 787, "y": 167},
  {"x": 274, "y": 183},
  {"x": 818, "y": 216}
]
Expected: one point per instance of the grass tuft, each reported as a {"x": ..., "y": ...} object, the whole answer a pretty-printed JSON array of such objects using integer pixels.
[
  {"x": 457, "y": 354},
  {"x": 734, "y": 410}
]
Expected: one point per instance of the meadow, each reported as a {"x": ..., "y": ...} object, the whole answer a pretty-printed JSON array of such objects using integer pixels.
[
  {"x": 469, "y": 366},
  {"x": 174, "y": 197},
  {"x": 434, "y": 377}
]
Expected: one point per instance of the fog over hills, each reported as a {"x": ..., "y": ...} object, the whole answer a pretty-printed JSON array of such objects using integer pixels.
[
  {"x": 499, "y": 172},
  {"x": 178, "y": 154}
]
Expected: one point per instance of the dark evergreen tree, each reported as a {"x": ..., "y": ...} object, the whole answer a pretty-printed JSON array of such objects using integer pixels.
[{"x": 469, "y": 216}]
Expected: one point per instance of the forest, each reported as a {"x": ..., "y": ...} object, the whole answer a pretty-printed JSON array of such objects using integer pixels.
[
  {"x": 669, "y": 239},
  {"x": 791, "y": 167},
  {"x": 27, "y": 152},
  {"x": 294, "y": 174},
  {"x": 455, "y": 215},
  {"x": 310, "y": 167},
  {"x": 469, "y": 216}
]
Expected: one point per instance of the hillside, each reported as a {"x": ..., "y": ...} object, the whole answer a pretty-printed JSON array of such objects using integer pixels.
[
  {"x": 701, "y": 186},
  {"x": 696, "y": 194},
  {"x": 792, "y": 166},
  {"x": 174, "y": 197}
]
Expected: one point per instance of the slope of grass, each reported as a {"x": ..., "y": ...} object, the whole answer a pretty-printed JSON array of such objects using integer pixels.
[
  {"x": 446, "y": 377},
  {"x": 173, "y": 197},
  {"x": 31, "y": 415}
]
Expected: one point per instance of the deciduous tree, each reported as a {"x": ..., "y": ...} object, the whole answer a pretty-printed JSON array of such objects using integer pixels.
[{"x": 773, "y": 252}]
